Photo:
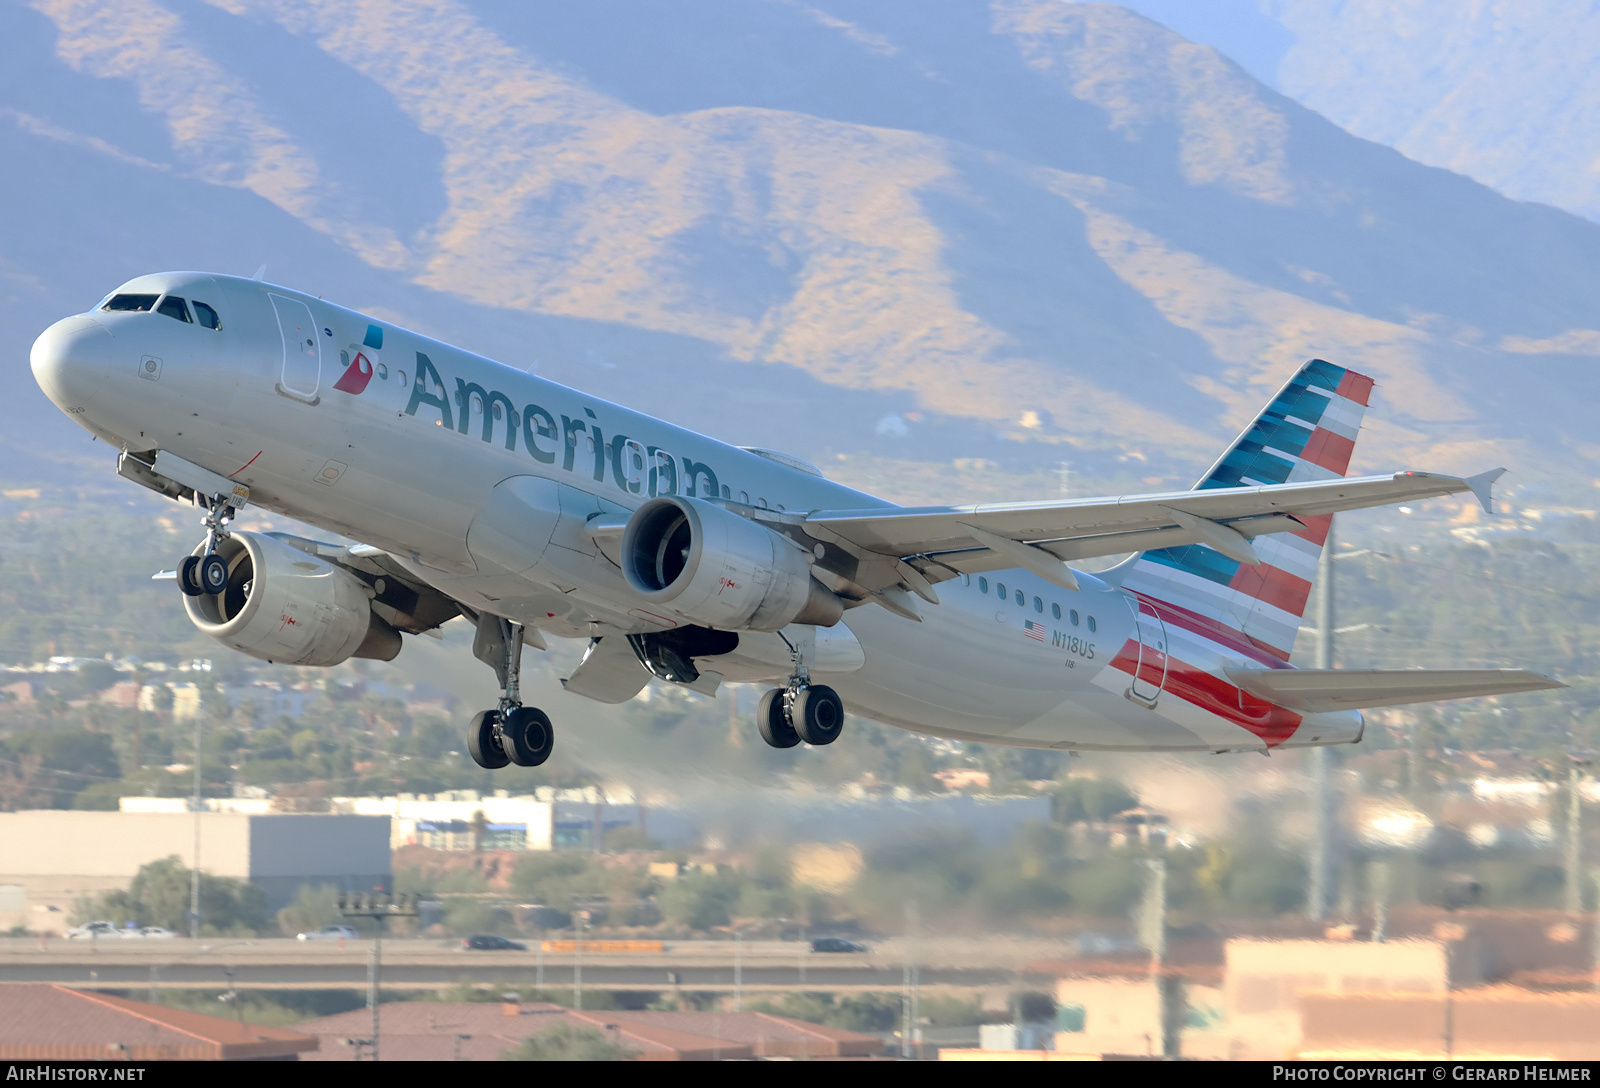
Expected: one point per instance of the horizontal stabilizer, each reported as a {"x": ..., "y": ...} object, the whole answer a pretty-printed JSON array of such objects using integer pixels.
[{"x": 1352, "y": 689}]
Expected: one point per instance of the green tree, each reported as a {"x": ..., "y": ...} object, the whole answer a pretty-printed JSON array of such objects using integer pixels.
[
  {"x": 858, "y": 1012},
  {"x": 159, "y": 895},
  {"x": 699, "y": 900},
  {"x": 314, "y": 905},
  {"x": 1089, "y": 799},
  {"x": 565, "y": 1043}
]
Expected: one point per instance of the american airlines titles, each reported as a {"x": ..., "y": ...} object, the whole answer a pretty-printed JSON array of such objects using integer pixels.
[{"x": 633, "y": 467}]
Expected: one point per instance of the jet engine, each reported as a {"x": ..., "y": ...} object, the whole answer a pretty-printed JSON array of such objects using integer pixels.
[
  {"x": 289, "y": 607},
  {"x": 721, "y": 570}
]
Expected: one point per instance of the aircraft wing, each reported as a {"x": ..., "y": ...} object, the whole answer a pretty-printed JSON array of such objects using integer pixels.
[
  {"x": 1353, "y": 689},
  {"x": 940, "y": 541}
]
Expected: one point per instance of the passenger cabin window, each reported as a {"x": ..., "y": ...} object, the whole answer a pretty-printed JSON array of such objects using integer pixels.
[
  {"x": 207, "y": 316},
  {"x": 983, "y": 585},
  {"x": 1091, "y": 623},
  {"x": 1020, "y": 598},
  {"x": 174, "y": 307},
  {"x": 1055, "y": 611},
  {"x": 1074, "y": 615},
  {"x": 1038, "y": 605},
  {"x": 136, "y": 303},
  {"x": 1000, "y": 588}
]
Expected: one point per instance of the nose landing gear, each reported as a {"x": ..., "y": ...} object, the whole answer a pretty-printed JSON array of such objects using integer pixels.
[
  {"x": 512, "y": 733},
  {"x": 208, "y": 572}
]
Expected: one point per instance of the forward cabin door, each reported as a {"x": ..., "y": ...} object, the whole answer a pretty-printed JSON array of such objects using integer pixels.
[
  {"x": 302, "y": 349},
  {"x": 1150, "y": 672}
]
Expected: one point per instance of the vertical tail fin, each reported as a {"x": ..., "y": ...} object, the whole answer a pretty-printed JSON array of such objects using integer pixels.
[{"x": 1307, "y": 432}]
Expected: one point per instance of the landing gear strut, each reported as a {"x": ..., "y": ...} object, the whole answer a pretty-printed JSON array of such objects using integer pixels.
[
  {"x": 511, "y": 733},
  {"x": 208, "y": 571},
  {"x": 802, "y": 711}
]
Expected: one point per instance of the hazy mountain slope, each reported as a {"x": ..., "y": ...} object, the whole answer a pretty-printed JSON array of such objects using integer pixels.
[
  {"x": 1020, "y": 222},
  {"x": 1502, "y": 92}
]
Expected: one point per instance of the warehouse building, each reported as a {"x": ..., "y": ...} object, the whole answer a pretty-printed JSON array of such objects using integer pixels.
[{"x": 52, "y": 858}]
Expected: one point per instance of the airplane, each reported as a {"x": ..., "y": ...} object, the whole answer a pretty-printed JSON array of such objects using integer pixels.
[{"x": 537, "y": 511}]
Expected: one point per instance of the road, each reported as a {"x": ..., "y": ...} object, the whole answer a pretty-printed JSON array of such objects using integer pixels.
[{"x": 418, "y": 964}]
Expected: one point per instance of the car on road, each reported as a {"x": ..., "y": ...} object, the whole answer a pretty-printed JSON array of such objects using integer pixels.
[
  {"x": 328, "y": 933},
  {"x": 837, "y": 944},
  {"x": 157, "y": 933},
  {"x": 486, "y": 942},
  {"x": 98, "y": 928}
]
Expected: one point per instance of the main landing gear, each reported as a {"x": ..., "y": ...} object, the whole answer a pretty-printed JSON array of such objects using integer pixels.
[
  {"x": 208, "y": 571},
  {"x": 511, "y": 733},
  {"x": 803, "y": 711}
]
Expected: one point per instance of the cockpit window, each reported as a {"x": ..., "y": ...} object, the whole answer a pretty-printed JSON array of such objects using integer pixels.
[
  {"x": 174, "y": 307},
  {"x": 138, "y": 303},
  {"x": 207, "y": 316}
]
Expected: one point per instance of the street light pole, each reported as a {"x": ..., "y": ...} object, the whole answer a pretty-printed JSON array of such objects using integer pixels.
[
  {"x": 580, "y": 919},
  {"x": 1574, "y": 843},
  {"x": 378, "y": 907},
  {"x": 372, "y": 983},
  {"x": 194, "y": 869},
  {"x": 1317, "y": 863}
]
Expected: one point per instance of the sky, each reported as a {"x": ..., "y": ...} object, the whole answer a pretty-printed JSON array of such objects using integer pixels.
[{"x": 1238, "y": 28}]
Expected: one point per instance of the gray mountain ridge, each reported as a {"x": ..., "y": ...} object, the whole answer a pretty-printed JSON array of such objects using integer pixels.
[{"x": 1035, "y": 231}]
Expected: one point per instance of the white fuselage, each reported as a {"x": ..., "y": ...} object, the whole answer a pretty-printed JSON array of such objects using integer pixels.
[{"x": 404, "y": 459}]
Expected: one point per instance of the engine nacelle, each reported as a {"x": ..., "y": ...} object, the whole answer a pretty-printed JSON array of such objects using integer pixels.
[
  {"x": 289, "y": 607},
  {"x": 721, "y": 570}
]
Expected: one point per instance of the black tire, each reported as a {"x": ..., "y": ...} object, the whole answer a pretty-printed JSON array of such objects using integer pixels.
[
  {"x": 213, "y": 574},
  {"x": 527, "y": 736},
  {"x": 818, "y": 714},
  {"x": 189, "y": 576},
  {"x": 773, "y": 721},
  {"x": 482, "y": 743}
]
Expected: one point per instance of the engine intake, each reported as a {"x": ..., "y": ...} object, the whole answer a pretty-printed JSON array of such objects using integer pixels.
[
  {"x": 290, "y": 607},
  {"x": 721, "y": 570}
]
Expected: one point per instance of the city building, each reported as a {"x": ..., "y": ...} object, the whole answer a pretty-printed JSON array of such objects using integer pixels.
[
  {"x": 40, "y": 1022},
  {"x": 576, "y": 819},
  {"x": 57, "y": 857},
  {"x": 1494, "y": 1023},
  {"x": 474, "y": 1031},
  {"x": 1272, "y": 997}
]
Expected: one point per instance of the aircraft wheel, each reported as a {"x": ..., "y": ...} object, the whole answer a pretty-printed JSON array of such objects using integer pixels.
[
  {"x": 818, "y": 714},
  {"x": 773, "y": 722},
  {"x": 189, "y": 576},
  {"x": 527, "y": 736},
  {"x": 482, "y": 743},
  {"x": 213, "y": 574}
]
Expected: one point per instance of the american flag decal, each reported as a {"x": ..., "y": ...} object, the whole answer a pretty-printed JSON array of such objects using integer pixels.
[{"x": 1033, "y": 630}]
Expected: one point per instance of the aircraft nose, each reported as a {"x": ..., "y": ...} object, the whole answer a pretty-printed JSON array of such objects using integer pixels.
[{"x": 71, "y": 361}]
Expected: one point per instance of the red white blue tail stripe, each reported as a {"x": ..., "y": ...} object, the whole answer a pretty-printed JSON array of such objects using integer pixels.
[
  {"x": 1214, "y": 610},
  {"x": 1307, "y": 433}
]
